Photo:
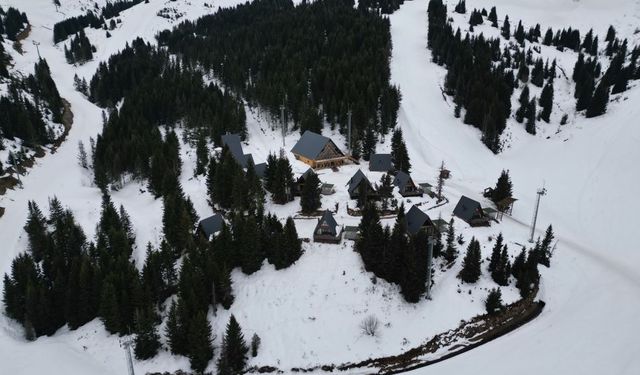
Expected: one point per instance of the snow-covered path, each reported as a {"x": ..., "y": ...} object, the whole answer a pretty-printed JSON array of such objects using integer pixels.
[{"x": 593, "y": 288}]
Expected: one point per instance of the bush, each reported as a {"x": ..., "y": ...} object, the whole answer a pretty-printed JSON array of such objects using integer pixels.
[{"x": 369, "y": 325}]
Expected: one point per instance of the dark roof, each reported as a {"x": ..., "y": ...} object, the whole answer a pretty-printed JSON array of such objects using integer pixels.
[
  {"x": 211, "y": 225},
  {"x": 401, "y": 180},
  {"x": 306, "y": 174},
  {"x": 327, "y": 217},
  {"x": 467, "y": 209},
  {"x": 232, "y": 141},
  {"x": 310, "y": 145},
  {"x": 416, "y": 219},
  {"x": 380, "y": 163},
  {"x": 260, "y": 169},
  {"x": 354, "y": 182}
]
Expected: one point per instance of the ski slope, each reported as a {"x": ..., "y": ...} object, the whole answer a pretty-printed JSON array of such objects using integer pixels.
[{"x": 589, "y": 169}]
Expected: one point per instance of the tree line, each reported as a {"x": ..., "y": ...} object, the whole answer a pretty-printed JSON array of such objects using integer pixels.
[
  {"x": 12, "y": 22},
  {"x": 95, "y": 19},
  {"x": 322, "y": 60},
  {"x": 28, "y": 104},
  {"x": 131, "y": 142},
  {"x": 67, "y": 279}
]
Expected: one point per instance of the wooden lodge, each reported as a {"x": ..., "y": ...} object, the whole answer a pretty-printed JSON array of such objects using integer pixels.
[
  {"x": 318, "y": 151},
  {"x": 327, "y": 230}
]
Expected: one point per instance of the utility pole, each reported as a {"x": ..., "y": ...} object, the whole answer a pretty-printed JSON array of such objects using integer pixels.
[
  {"x": 349, "y": 130},
  {"x": 37, "y": 48},
  {"x": 429, "y": 261},
  {"x": 540, "y": 193},
  {"x": 126, "y": 345}
]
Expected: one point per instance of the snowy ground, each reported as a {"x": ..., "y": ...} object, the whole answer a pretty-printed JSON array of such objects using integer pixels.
[{"x": 591, "y": 290}]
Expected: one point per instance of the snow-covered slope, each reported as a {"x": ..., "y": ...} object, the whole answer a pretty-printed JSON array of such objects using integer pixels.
[
  {"x": 311, "y": 311},
  {"x": 593, "y": 286}
]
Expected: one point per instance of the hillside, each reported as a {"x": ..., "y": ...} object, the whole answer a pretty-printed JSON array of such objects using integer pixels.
[{"x": 309, "y": 314}]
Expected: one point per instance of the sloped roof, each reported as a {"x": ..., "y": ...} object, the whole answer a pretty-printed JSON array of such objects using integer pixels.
[
  {"x": 310, "y": 145},
  {"x": 232, "y": 141},
  {"x": 402, "y": 179},
  {"x": 467, "y": 208},
  {"x": 416, "y": 219},
  {"x": 307, "y": 173},
  {"x": 211, "y": 225},
  {"x": 327, "y": 217},
  {"x": 260, "y": 169},
  {"x": 380, "y": 163},
  {"x": 355, "y": 181}
]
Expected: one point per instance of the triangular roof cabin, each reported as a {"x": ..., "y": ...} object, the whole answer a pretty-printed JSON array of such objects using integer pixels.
[
  {"x": 418, "y": 220},
  {"x": 211, "y": 225},
  {"x": 471, "y": 212},
  {"x": 327, "y": 229}
]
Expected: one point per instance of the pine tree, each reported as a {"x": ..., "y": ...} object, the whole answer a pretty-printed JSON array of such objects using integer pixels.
[
  {"x": 147, "y": 341},
  {"x": 611, "y": 34},
  {"x": 506, "y": 28},
  {"x": 493, "y": 303},
  {"x": 310, "y": 194},
  {"x": 530, "y": 126},
  {"x": 399, "y": 152},
  {"x": 544, "y": 256},
  {"x": 109, "y": 309},
  {"x": 202, "y": 155},
  {"x": 503, "y": 188},
  {"x": 598, "y": 105},
  {"x": 524, "y": 103},
  {"x": 450, "y": 252},
  {"x": 495, "y": 253},
  {"x": 234, "y": 349},
  {"x": 175, "y": 331},
  {"x": 503, "y": 268},
  {"x": 546, "y": 102},
  {"x": 471, "y": 271},
  {"x": 493, "y": 17},
  {"x": 199, "y": 342}
]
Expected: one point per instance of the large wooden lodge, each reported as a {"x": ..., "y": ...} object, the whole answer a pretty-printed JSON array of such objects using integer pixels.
[{"x": 318, "y": 151}]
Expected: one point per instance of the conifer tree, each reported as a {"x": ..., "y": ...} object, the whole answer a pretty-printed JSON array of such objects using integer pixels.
[
  {"x": 109, "y": 309},
  {"x": 450, "y": 252},
  {"x": 175, "y": 331},
  {"x": 147, "y": 341},
  {"x": 310, "y": 194},
  {"x": 545, "y": 249},
  {"x": 546, "y": 102},
  {"x": 202, "y": 155},
  {"x": 524, "y": 103},
  {"x": 495, "y": 253},
  {"x": 530, "y": 126},
  {"x": 471, "y": 271},
  {"x": 503, "y": 188},
  {"x": 234, "y": 349},
  {"x": 598, "y": 104},
  {"x": 506, "y": 28},
  {"x": 255, "y": 345},
  {"x": 493, "y": 17},
  {"x": 493, "y": 302},
  {"x": 399, "y": 152},
  {"x": 199, "y": 341},
  {"x": 501, "y": 272}
]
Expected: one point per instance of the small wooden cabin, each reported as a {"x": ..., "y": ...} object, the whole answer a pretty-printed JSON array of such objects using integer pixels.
[
  {"x": 327, "y": 230},
  {"x": 318, "y": 151},
  {"x": 418, "y": 221},
  {"x": 208, "y": 227},
  {"x": 355, "y": 187},
  {"x": 406, "y": 186},
  {"x": 471, "y": 212}
]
